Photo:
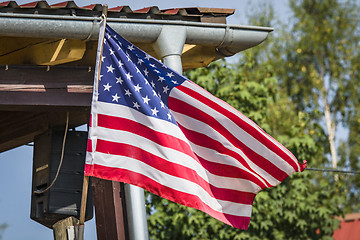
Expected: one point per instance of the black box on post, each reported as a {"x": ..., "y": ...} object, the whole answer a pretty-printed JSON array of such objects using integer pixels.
[{"x": 63, "y": 199}]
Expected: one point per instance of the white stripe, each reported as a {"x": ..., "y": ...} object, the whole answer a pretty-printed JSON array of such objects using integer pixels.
[
  {"x": 236, "y": 131},
  {"x": 153, "y": 123},
  {"x": 206, "y": 94},
  {"x": 175, "y": 157},
  {"x": 175, "y": 183}
]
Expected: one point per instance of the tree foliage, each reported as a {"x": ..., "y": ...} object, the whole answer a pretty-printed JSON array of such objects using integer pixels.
[{"x": 321, "y": 54}]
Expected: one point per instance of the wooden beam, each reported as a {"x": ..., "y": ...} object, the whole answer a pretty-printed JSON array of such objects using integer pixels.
[
  {"x": 19, "y": 128},
  {"x": 109, "y": 205},
  {"x": 22, "y": 87}
]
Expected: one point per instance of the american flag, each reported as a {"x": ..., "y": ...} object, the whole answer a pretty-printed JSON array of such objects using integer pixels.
[{"x": 153, "y": 128}]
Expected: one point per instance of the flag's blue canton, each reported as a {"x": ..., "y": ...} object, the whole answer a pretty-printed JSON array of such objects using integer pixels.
[{"x": 133, "y": 78}]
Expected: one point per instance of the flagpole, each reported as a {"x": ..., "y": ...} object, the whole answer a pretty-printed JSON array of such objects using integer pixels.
[{"x": 86, "y": 178}]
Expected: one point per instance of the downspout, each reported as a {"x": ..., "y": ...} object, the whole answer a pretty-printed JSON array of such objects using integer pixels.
[{"x": 169, "y": 46}]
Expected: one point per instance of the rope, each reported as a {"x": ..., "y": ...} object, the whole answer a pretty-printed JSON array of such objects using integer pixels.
[
  {"x": 61, "y": 158},
  {"x": 334, "y": 170}
]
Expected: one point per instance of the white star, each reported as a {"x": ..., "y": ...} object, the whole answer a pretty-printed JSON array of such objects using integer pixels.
[
  {"x": 157, "y": 71},
  {"x": 161, "y": 79},
  {"x": 120, "y": 63},
  {"x": 166, "y": 89},
  {"x": 100, "y": 76},
  {"x": 136, "y": 105},
  {"x": 137, "y": 88},
  {"x": 146, "y": 100},
  {"x": 162, "y": 104},
  {"x": 118, "y": 46},
  {"x": 137, "y": 70},
  {"x": 140, "y": 61},
  {"x": 110, "y": 68},
  {"x": 152, "y": 84},
  {"x": 115, "y": 97},
  {"x": 174, "y": 82},
  {"x": 119, "y": 80},
  {"x": 164, "y": 66},
  {"x": 107, "y": 87},
  {"x": 128, "y": 56},
  {"x": 104, "y": 40},
  {"x": 114, "y": 36},
  {"x": 170, "y": 74},
  {"x": 131, "y": 47},
  {"x": 146, "y": 81},
  {"x": 102, "y": 58},
  {"x": 108, "y": 35},
  {"x": 127, "y": 92},
  {"x": 111, "y": 51},
  {"x": 152, "y": 65},
  {"x": 154, "y": 92},
  {"x": 146, "y": 72},
  {"x": 128, "y": 76},
  {"x": 169, "y": 116},
  {"x": 154, "y": 111},
  {"x": 147, "y": 57}
]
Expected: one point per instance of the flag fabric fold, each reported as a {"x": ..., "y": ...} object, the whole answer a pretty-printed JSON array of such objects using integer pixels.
[{"x": 153, "y": 128}]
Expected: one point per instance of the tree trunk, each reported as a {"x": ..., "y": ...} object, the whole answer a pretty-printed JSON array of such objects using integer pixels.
[{"x": 330, "y": 126}]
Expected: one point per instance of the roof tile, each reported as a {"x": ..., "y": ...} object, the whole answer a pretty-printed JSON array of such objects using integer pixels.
[{"x": 198, "y": 14}]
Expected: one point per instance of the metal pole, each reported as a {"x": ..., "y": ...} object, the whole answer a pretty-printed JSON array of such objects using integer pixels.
[{"x": 136, "y": 213}]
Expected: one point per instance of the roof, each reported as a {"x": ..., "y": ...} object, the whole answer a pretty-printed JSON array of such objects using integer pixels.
[
  {"x": 18, "y": 50},
  {"x": 48, "y": 53},
  {"x": 197, "y": 14},
  {"x": 349, "y": 228}
]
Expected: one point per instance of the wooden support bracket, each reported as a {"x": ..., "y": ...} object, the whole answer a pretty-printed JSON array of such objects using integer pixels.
[
  {"x": 43, "y": 52},
  {"x": 195, "y": 56}
]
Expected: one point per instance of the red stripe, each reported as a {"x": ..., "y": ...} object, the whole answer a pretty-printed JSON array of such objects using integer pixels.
[
  {"x": 89, "y": 170},
  {"x": 163, "y": 139},
  {"x": 203, "y": 140},
  {"x": 90, "y": 121},
  {"x": 177, "y": 170},
  {"x": 243, "y": 125},
  {"x": 230, "y": 171},
  {"x": 123, "y": 175},
  {"x": 89, "y": 145}
]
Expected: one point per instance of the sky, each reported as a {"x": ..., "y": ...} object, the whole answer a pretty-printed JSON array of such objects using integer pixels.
[{"x": 16, "y": 164}]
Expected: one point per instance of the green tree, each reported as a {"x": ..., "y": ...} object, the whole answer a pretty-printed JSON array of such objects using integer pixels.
[{"x": 321, "y": 75}]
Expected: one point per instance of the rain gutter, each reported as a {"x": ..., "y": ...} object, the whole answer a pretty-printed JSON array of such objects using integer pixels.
[{"x": 167, "y": 36}]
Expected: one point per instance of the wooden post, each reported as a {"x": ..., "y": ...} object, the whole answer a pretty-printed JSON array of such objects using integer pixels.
[
  {"x": 110, "y": 210},
  {"x": 60, "y": 228},
  {"x": 83, "y": 199}
]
